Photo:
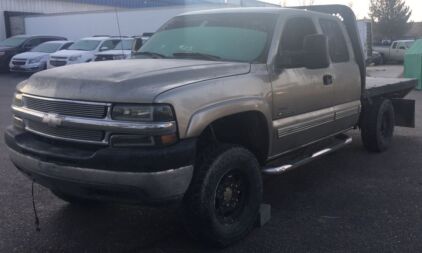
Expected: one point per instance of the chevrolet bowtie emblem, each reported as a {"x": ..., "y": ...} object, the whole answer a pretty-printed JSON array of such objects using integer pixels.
[{"x": 52, "y": 120}]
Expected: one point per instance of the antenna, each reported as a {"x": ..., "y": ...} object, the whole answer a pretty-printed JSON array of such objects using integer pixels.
[{"x": 118, "y": 27}]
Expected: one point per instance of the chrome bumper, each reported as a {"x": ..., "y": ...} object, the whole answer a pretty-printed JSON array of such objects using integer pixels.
[{"x": 151, "y": 186}]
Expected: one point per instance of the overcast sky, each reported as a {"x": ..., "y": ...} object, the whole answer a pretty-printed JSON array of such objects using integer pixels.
[{"x": 360, "y": 7}]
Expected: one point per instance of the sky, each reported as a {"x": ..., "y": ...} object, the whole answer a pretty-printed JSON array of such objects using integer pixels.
[{"x": 360, "y": 7}]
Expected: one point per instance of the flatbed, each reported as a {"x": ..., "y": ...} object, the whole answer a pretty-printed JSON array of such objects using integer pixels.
[{"x": 389, "y": 87}]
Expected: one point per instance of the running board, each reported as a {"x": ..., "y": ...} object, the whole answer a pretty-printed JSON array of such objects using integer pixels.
[{"x": 340, "y": 141}]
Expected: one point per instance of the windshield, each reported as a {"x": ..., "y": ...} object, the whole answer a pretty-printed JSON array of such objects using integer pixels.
[
  {"x": 12, "y": 42},
  {"x": 124, "y": 45},
  {"x": 237, "y": 37},
  {"x": 85, "y": 45},
  {"x": 47, "y": 48}
]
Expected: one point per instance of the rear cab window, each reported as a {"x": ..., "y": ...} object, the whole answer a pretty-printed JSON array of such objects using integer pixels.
[
  {"x": 337, "y": 44},
  {"x": 394, "y": 46}
]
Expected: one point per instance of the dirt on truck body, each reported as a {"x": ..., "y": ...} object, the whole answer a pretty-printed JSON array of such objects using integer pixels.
[{"x": 211, "y": 102}]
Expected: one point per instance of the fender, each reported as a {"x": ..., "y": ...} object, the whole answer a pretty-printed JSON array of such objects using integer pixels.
[{"x": 206, "y": 115}]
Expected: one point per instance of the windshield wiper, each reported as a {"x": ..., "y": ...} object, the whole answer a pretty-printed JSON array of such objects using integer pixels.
[
  {"x": 196, "y": 56},
  {"x": 152, "y": 54}
]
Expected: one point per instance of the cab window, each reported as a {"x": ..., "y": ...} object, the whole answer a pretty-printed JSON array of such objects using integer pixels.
[
  {"x": 394, "y": 46},
  {"x": 109, "y": 44},
  {"x": 336, "y": 42},
  {"x": 291, "y": 50}
]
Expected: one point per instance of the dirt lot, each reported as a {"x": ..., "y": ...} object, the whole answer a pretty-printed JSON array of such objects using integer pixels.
[{"x": 350, "y": 201}]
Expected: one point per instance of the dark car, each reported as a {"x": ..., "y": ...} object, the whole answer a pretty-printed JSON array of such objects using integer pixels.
[{"x": 18, "y": 44}]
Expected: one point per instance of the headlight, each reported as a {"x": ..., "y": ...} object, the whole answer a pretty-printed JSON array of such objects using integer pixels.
[
  {"x": 146, "y": 113},
  {"x": 119, "y": 57},
  {"x": 35, "y": 60},
  {"x": 74, "y": 58},
  {"x": 17, "y": 100}
]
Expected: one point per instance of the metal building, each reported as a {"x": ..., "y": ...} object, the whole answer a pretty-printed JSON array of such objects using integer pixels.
[{"x": 14, "y": 13}]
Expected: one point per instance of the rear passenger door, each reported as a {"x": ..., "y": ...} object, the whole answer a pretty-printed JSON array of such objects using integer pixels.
[
  {"x": 302, "y": 102},
  {"x": 345, "y": 75}
]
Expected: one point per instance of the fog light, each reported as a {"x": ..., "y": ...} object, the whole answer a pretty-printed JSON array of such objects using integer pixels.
[
  {"x": 131, "y": 141},
  {"x": 168, "y": 139}
]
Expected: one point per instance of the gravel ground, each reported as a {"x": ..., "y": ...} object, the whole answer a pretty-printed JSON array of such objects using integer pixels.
[{"x": 350, "y": 201}]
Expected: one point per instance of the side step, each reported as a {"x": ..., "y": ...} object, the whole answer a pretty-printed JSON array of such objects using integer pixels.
[{"x": 338, "y": 142}]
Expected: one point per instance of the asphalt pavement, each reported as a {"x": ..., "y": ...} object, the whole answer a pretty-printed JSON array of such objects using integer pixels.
[{"x": 349, "y": 201}]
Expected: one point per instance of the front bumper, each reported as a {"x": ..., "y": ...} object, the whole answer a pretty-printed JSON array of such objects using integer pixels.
[
  {"x": 141, "y": 176},
  {"x": 28, "y": 68}
]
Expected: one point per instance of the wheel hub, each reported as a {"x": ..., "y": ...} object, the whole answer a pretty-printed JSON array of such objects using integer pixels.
[{"x": 230, "y": 197}]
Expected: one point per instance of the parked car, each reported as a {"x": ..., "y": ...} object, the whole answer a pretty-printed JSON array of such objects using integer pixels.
[
  {"x": 36, "y": 59},
  {"x": 141, "y": 40},
  {"x": 123, "y": 50},
  {"x": 217, "y": 98},
  {"x": 375, "y": 59},
  {"x": 394, "y": 52},
  {"x": 19, "y": 44},
  {"x": 82, "y": 51}
]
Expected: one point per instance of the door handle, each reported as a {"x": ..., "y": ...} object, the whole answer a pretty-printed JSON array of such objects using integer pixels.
[{"x": 328, "y": 79}]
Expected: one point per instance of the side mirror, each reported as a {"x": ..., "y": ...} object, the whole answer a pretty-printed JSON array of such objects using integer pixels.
[
  {"x": 137, "y": 44},
  {"x": 402, "y": 47},
  {"x": 316, "y": 51},
  {"x": 104, "y": 48}
]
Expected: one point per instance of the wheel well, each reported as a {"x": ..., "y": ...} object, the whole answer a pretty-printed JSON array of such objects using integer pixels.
[{"x": 248, "y": 129}]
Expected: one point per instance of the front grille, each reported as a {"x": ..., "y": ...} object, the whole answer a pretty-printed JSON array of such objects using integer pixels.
[
  {"x": 18, "y": 63},
  {"x": 104, "y": 58},
  {"x": 59, "y": 57},
  {"x": 65, "y": 132},
  {"x": 57, "y": 63},
  {"x": 64, "y": 107}
]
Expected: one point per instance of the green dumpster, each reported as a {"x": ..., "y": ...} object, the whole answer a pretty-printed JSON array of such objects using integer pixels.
[{"x": 413, "y": 63}]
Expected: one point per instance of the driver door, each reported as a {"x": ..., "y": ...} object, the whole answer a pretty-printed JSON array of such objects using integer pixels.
[{"x": 302, "y": 98}]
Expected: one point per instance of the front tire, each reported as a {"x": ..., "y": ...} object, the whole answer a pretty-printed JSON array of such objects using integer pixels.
[
  {"x": 377, "y": 126},
  {"x": 222, "y": 203}
]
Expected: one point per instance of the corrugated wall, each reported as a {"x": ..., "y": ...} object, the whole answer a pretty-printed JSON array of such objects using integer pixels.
[{"x": 49, "y": 6}]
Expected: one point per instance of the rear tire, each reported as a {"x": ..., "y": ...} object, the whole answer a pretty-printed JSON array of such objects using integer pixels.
[
  {"x": 377, "y": 126},
  {"x": 222, "y": 203}
]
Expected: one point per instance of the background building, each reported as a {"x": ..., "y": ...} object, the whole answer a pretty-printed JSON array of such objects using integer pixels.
[{"x": 79, "y": 18}]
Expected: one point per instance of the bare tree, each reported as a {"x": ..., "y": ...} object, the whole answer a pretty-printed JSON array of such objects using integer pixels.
[
  {"x": 307, "y": 2},
  {"x": 390, "y": 17}
]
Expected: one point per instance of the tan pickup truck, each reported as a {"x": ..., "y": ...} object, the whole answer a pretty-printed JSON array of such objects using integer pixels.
[{"x": 211, "y": 102}]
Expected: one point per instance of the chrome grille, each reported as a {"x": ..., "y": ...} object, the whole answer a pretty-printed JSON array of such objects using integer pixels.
[
  {"x": 66, "y": 107},
  {"x": 65, "y": 132},
  {"x": 59, "y": 57},
  {"x": 57, "y": 63},
  {"x": 19, "y": 62}
]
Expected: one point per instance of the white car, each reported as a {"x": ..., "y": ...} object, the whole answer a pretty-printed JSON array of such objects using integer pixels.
[
  {"x": 123, "y": 50},
  {"x": 36, "y": 59},
  {"x": 82, "y": 51}
]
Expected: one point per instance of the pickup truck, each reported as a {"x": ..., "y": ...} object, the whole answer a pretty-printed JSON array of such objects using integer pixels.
[
  {"x": 212, "y": 102},
  {"x": 395, "y": 52}
]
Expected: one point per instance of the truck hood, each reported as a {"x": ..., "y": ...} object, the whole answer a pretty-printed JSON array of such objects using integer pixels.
[{"x": 126, "y": 81}]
